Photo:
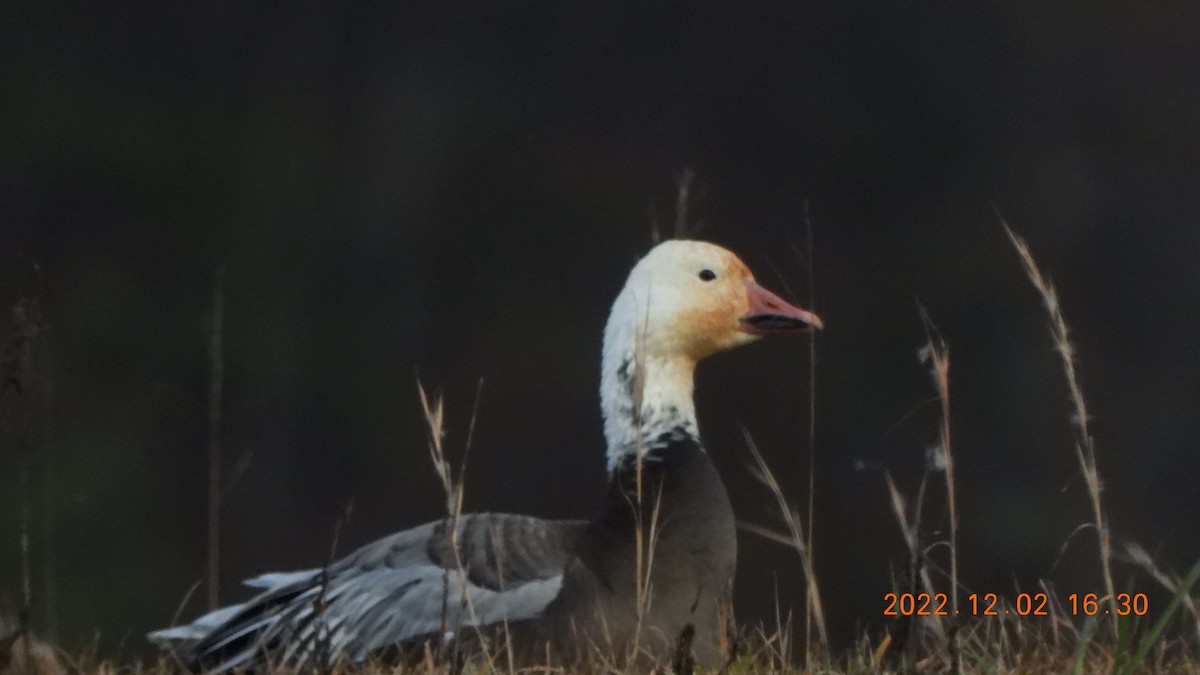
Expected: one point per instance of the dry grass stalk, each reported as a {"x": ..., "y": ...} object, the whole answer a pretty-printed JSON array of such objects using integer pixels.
[
  {"x": 216, "y": 380},
  {"x": 809, "y": 607},
  {"x": 23, "y": 425},
  {"x": 321, "y": 640},
  {"x": 937, "y": 353},
  {"x": 683, "y": 195},
  {"x": 684, "y": 198},
  {"x": 646, "y": 538},
  {"x": 794, "y": 537},
  {"x": 918, "y": 572},
  {"x": 434, "y": 411},
  {"x": 1085, "y": 450},
  {"x": 8, "y": 642}
]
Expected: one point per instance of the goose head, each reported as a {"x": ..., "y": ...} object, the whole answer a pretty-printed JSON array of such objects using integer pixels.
[
  {"x": 683, "y": 301},
  {"x": 692, "y": 299}
]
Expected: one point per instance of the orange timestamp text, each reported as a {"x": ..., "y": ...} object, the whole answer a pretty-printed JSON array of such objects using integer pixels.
[{"x": 1025, "y": 604}]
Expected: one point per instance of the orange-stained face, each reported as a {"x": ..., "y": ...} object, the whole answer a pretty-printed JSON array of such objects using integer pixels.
[{"x": 698, "y": 298}]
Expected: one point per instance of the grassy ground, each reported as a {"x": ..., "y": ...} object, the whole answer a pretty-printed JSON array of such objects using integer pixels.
[{"x": 994, "y": 647}]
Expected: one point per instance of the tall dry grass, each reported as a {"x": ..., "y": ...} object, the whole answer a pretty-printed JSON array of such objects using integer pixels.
[
  {"x": 1085, "y": 447},
  {"x": 216, "y": 381},
  {"x": 1001, "y": 644},
  {"x": 433, "y": 408}
]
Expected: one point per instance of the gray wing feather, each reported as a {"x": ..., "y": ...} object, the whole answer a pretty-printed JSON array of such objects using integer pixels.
[{"x": 397, "y": 590}]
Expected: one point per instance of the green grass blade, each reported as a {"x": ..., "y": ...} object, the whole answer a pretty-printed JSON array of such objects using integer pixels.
[
  {"x": 1124, "y": 633},
  {"x": 1089, "y": 627},
  {"x": 1161, "y": 625},
  {"x": 984, "y": 665}
]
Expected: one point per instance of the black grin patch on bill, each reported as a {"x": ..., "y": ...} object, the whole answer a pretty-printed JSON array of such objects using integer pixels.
[{"x": 774, "y": 322}]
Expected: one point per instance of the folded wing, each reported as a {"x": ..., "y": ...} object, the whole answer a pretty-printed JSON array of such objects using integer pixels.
[{"x": 413, "y": 586}]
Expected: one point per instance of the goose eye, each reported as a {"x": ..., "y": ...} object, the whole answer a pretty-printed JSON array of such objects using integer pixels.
[{"x": 707, "y": 275}]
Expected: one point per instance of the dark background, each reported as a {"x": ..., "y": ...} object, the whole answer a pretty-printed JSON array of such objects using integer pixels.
[{"x": 459, "y": 190}]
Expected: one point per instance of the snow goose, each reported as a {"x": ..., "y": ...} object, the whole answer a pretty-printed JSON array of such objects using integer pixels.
[{"x": 655, "y": 564}]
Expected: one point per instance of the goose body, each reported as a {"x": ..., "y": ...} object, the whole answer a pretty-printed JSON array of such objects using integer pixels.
[{"x": 653, "y": 566}]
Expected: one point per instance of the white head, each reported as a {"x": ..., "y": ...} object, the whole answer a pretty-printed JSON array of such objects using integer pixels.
[{"x": 684, "y": 301}]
